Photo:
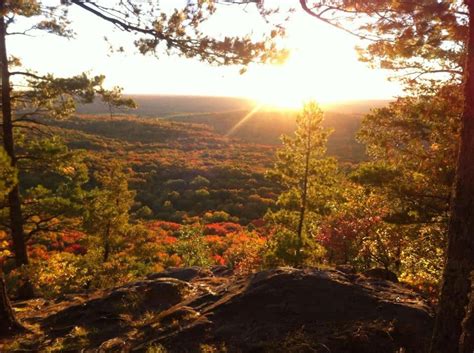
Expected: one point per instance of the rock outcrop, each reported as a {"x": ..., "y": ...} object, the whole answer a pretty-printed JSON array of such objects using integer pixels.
[{"x": 281, "y": 310}]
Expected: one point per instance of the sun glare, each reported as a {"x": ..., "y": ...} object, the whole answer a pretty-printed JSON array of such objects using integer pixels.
[
  {"x": 281, "y": 100},
  {"x": 322, "y": 66},
  {"x": 300, "y": 79}
]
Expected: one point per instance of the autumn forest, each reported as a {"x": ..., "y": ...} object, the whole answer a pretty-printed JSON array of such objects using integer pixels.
[{"x": 283, "y": 221}]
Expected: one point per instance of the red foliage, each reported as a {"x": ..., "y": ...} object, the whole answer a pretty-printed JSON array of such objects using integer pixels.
[
  {"x": 342, "y": 235},
  {"x": 72, "y": 236},
  {"x": 163, "y": 225},
  {"x": 243, "y": 251},
  {"x": 165, "y": 239},
  {"x": 258, "y": 223},
  {"x": 216, "y": 243},
  {"x": 76, "y": 249},
  {"x": 38, "y": 252},
  {"x": 219, "y": 260},
  {"x": 222, "y": 228}
]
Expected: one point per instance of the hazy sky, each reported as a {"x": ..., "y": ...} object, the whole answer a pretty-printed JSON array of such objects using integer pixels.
[{"x": 323, "y": 64}]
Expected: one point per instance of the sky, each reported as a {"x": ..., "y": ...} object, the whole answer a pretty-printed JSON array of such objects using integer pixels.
[{"x": 322, "y": 65}]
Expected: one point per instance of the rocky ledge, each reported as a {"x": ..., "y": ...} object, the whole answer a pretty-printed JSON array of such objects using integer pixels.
[{"x": 199, "y": 310}]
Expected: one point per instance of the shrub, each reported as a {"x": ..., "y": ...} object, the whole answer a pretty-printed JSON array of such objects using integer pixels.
[
  {"x": 62, "y": 272},
  {"x": 243, "y": 251},
  {"x": 192, "y": 248},
  {"x": 281, "y": 250}
]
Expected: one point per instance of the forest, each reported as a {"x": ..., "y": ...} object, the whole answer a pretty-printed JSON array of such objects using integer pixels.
[{"x": 179, "y": 223}]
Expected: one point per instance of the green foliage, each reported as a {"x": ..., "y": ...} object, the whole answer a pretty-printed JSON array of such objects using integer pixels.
[
  {"x": 49, "y": 97},
  {"x": 304, "y": 154},
  {"x": 217, "y": 216},
  {"x": 202, "y": 193},
  {"x": 113, "y": 98},
  {"x": 419, "y": 40},
  {"x": 62, "y": 272},
  {"x": 424, "y": 254},
  {"x": 192, "y": 248},
  {"x": 51, "y": 177},
  {"x": 200, "y": 182},
  {"x": 7, "y": 181},
  {"x": 144, "y": 212},
  {"x": 175, "y": 184},
  {"x": 283, "y": 249},
  {"x": 417, "y": 138},
  {"x": 179, "y": 31},
  {"x": 413, "y": 147},
  {"x": 7, "y": 174},
  {"x": 374, "y": 174},
  {"x": 307, "y": 177},
  {"x": 107, "y": 209}
]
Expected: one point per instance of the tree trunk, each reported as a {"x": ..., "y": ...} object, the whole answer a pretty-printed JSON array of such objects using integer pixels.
[
  {"x": 467, "y": 338},
  {"x": 460, "y": 253},
  {"x": 304, "y": 198},
  {"x": 8, "y": 322},
  {"x": 14, "y": 202}
]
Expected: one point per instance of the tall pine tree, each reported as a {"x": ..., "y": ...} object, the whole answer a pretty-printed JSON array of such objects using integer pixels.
[
  {"x": 8, "y": 322},
  {"x": 306, "y": 175}
]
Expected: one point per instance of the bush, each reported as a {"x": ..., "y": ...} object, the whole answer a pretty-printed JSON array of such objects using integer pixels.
[
  {"x": 281, "y": 250},
  {"x": 62, "y": 272},
  {"x": 243, "y": 251},
  {"x": 192, "y": 248}
]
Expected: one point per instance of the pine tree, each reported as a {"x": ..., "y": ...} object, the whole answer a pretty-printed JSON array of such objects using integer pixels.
[
  {"x": 8, "y": 322},
  {"x": 107, "y": 209},
  {"x": 306, "y": 175}
]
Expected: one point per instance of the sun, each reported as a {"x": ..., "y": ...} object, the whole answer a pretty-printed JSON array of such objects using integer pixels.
[
  {"x": 322, "y": 66},
  {"x": 284, "y": 86},
  {"x": 290, "y": 85},
  {"x": 281, "y": 100}
]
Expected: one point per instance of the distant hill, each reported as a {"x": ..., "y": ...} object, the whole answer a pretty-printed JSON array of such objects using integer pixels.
[
  {"x": 239, "y": 118},
  {"x": 266, "y": 127},
  {"x": 168, "y": 105}
]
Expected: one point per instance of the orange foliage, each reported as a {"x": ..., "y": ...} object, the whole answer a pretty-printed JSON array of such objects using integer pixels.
[{"x": 222, "y": 228}]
